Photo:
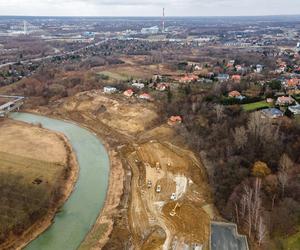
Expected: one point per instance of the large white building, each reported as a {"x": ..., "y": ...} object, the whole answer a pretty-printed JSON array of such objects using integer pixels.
[{"x": 151, "y": 30}]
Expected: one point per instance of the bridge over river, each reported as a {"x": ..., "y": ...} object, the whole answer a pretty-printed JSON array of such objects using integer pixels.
[{"x": 10, "y": 103}]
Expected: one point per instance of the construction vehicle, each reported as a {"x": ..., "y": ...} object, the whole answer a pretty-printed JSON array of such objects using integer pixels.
[
  {"x": 173, "y": 197},
  {"x": 158, "y": 189},
  {"x": 149, "y": 184},
  {"x": 157, "y": 165},
  {"x": 173, "y": 212}
]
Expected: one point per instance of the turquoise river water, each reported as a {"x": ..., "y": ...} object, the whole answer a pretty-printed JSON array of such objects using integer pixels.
[{"x": 80, "y": 212}]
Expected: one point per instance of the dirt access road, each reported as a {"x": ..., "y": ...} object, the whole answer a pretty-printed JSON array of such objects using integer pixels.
[{"x": 152, "y": 225}]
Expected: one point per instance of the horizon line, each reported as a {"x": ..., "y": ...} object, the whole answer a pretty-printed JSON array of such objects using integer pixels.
[{"x": 93, "y": 16}]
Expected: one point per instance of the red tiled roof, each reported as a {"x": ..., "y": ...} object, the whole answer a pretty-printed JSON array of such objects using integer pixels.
[{"x": 234, "y": 93}]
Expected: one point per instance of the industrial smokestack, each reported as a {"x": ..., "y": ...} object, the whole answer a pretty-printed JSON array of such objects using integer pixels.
[{"x": 163, "y": 21}]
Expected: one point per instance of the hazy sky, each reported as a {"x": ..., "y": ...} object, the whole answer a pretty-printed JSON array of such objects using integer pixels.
[{"x": 149, "y": 7}]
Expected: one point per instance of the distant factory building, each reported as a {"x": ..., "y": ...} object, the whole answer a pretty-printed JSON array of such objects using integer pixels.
[
  {"x": 88, "y": 34},
  {"x": 151, "y": 30}
]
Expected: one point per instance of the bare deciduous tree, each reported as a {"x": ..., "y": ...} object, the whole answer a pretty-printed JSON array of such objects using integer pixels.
[
  {"x": 240, "y": 137},
  {"x": 285, "y": 162},
  {"x": 261, "y": 231},
  {"x": 219, "y": 111},
  {"x": 283, "y": 180},
  {"x": 262, "y": 129},
  {"x": 250, "y": 207}
]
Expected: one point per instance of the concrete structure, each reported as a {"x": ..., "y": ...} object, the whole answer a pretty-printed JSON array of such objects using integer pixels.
[
  {"x": 109, "y": 90},
  {"x": 295, "y": 109},
  {"x": 272, "y": 113},
  {"x": 225, "y": 236},
  {"x": 223, "y": 77},
  {"x": 151, "y": 30},
  {"x": 14, "y": 103},
  {"x": 163, "y": 21},
  {"x": 138, "y": 85}
]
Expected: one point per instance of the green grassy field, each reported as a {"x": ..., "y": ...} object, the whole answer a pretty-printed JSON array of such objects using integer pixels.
[
  {"x": 27, "y": 188},
  {"x": 256, "y": 105},
  {"x": 297, "y": 119},
  {"x": 297, "y": 97},
  {"x": 114, "y": 76},
  {"x": 292, "y": 242}
]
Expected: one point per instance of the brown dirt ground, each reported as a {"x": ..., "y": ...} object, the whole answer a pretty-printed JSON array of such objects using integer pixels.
[
  {"x": 149, "y": 209},
  {"x": 125, "y": 118}
]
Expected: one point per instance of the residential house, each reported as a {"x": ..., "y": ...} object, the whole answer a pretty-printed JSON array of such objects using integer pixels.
[
  {"x": 234, "y": 94},
  {"x": 188, "y": 79},
  {"x": 237, "y": 95},
  {"x": 272, "y": 113},
  {"x": 174, "y": 120},
  {"x": 293, "y": 83},
  {"x": 281, "y": 69},
  {"x": 230, "y": 63},
  {"x": 197, "y": 67},
  {"x": 239, "y": 68},
  {"x": 109, "y": 90},
  {"x": 205, "y": 80},
  {"x": 259, "y": 68},
  {"x": 128, "y": 93},
  {"x": 236, "y": 78},
  {"x": 145, "y": 96},
  {"x": 284, "y": 101},
  {"x": 162, "y": 86},
  {"x": 138, "y": 85},
  {"x": 223, "y": 77}
]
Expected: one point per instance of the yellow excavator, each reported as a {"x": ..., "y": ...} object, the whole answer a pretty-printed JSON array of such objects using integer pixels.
[{"x": 173, "y": 212}]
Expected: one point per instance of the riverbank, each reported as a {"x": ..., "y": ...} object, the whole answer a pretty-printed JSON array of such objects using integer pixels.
[
  {"x": 67, "y": 187},
  {"x": 105, "y": 221}
]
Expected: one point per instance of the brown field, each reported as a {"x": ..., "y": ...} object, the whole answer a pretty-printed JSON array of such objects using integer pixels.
[
  {"x": 126, "y": 118},
  {"x": 133, "y": 69},
  {"x": 31, "y": 142}
]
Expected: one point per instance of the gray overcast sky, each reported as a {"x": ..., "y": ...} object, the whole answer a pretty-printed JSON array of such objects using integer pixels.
[{"x": 149, "y": 7}]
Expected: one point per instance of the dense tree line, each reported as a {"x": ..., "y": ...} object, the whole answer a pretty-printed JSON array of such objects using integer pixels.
[{"x": 252, "y": 157}]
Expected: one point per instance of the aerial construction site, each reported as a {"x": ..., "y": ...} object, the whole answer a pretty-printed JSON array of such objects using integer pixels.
[{"x": 165, "y": 201}]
